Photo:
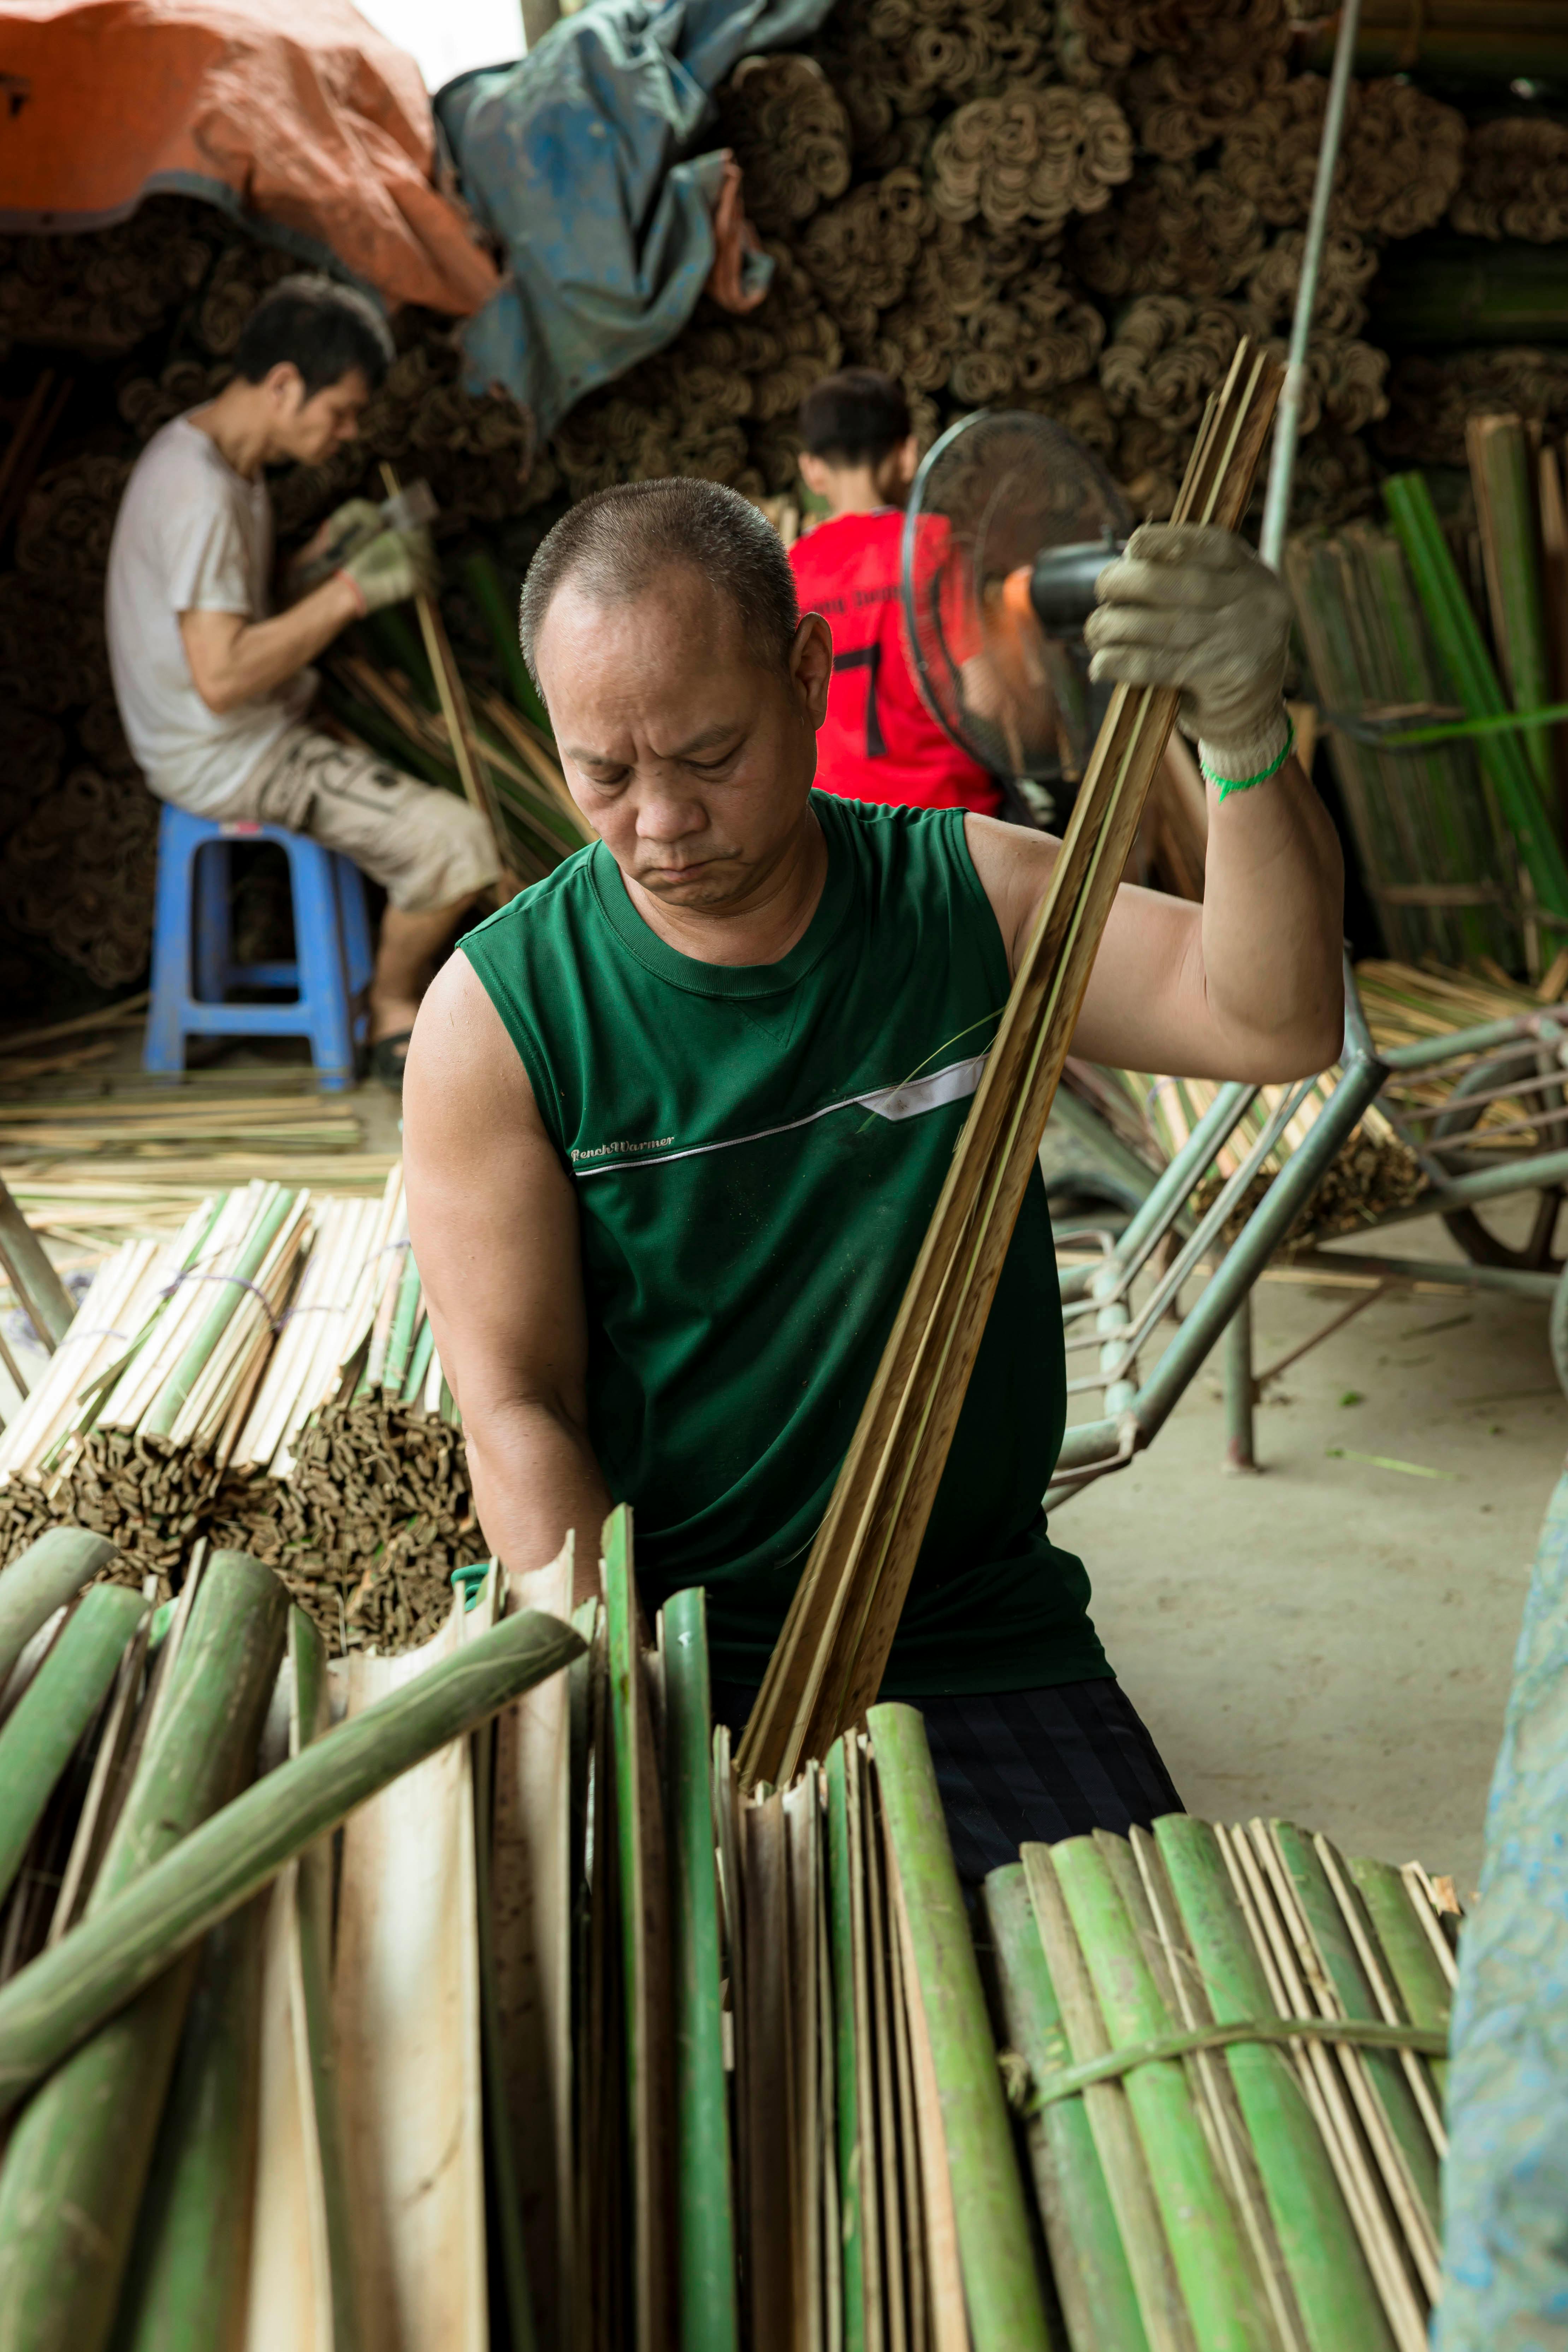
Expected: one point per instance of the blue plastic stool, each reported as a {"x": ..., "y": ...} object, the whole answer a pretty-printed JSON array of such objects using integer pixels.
[{"x": 191, "y": 973}]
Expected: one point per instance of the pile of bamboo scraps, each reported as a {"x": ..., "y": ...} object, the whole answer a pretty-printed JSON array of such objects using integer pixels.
[
  {"x": 1373, "y": 1172},
  {"x": 271, "y": 2134},
  {"x": 270, "y": 1377},
  {"x": 1211, "y": 2178}
]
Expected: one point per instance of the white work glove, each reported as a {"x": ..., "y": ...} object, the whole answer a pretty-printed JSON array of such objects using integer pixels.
[
  {"x": 346, "y": 529},
  {"x": 1189, "y": 606},
  {"x": 394, "y": 565}
]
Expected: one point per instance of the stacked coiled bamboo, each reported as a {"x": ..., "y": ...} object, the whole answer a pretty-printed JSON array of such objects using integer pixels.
[{"x": 1515, "y": 182}]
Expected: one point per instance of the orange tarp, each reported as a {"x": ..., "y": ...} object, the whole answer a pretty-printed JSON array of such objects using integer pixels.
[{"x": 299, "y": 109}]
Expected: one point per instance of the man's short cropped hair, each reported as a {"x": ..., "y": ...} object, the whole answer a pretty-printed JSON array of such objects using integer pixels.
[
  {"x": 616, "y": 544},
  {"x": 322, "y": 327},
  {"x": 856, "y": 417}
]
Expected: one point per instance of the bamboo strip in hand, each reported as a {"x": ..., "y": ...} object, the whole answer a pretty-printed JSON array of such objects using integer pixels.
[{"x": 828, "y": 1663}]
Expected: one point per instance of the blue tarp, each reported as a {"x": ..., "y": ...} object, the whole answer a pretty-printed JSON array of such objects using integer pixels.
[
  {"x": 1505, "y": 2185},
  {"x": 580, "y": 159}
]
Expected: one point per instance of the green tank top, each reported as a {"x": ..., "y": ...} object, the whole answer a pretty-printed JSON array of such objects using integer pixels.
[{"x": 756, "y": 1153}]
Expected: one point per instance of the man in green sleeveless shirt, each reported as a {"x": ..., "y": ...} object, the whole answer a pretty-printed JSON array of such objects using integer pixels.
[{"x": 675, "y": 1119}]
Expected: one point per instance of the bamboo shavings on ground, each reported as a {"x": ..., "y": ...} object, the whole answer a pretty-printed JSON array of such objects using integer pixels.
[{"x": 829, "y": 1658}]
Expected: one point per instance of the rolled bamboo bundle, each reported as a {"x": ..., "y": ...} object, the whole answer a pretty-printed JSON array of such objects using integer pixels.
[
  {"x": 1176, "y": 230},
  {"x": 78, "y": 872},
  {"x": 791, "y": 137},
  {"x": 1347, "y": 268},
  {"x": 1515, "y": 181},
  {"x": 1432, "y": 398},
  {"x": 1165, "y": 358},
  {"x": 1403, "y": 155},
  {"x": 102, "y": 292},
  {"x": 1033, "y": 158},
  {"x": 1180, "y": 104}
]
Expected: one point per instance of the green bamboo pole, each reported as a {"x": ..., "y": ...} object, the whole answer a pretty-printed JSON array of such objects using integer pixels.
[
  {"x": 309, "y": 1721},
  {"x": 164, "y": 1409},
  {"x": 1339, "y": 2302},
  {"x": 483, "y": 582},
  {"x": 400, "y": 1340},
  {"x": 1002, "y": 2288},
  {"x": 1339, "y": 1962},
  {"x": 41, "y": 1580},
  {"x": 1089, "y": 2259},
  {"x": 503, "y": 2195},
  {"x": 1213, "y": 2262},
  {"x": 842, "y": 1867},
  {"x": 709, "y": 2318},
  {"x": 1502, "y": 473},
  {"x": 419, "y": 1362},
  {"x": 1458, "y": 636},
  {"x": 1415, "y": 1968},
  {"x": 125, "y": 1943},
  {"x": 1452, "y": 290},
  {"x": 77, "y": 2160},
  {"x": 187, "y": 2276},
  {"x": 55, "y": 1710}
]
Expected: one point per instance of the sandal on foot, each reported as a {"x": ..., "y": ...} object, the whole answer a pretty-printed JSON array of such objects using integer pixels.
[{"x": 387, "y": 1057}]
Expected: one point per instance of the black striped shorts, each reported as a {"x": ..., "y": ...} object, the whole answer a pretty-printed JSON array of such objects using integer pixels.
[{"x": 1036, "y": 1765}]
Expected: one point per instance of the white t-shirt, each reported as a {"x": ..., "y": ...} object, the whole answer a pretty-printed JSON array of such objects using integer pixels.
[{"x": 192, "y": 536}]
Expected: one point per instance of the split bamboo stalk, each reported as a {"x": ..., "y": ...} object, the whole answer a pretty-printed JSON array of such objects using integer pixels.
[
  {"x": 186, "y": 2280},
  {"x": 1088, "y": 2261},
  {"x": 830, "y": 1657},
  {"x": 56, "y": 1709},
  {"x": 709, "y": 2315},
  {"x": 1002, "y": 2288},
  {"x": 1424, "y": 1989},
  {"x": 1223, "y": 2289},
  {"x": 861, "y": 2286},
  {"x": 406, "y": 1997},
  {"x": 645, "y": 1948},
  {"x": 532, "y": 1912},
  {"x": 1503, "y": 477},
  {"x": 49, "y": 1574},
  {"x": 33, "y": 1277},
  {"x": 78, "y": 2160},
  {"x": 1333, "y": 2287},
  {"x": 135, "y": 1931}
]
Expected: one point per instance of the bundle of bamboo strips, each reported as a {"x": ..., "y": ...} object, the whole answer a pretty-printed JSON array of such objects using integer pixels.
[
  {"x": 135, "y": 1121},
  {"x": 1144, "y": 1982},
  {"x": 110, "y": 1198}
]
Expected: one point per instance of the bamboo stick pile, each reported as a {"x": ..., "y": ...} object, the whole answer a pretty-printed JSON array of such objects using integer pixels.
[
  {"x": 674, "y": 2063},
  {"x": 267, "y": 1377}
]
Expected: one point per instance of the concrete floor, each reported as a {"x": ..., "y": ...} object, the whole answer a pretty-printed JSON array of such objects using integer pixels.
[{"x": 1331, "y": 1640}]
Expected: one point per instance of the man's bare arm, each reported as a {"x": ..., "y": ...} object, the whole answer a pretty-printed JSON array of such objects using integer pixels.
[
  {"x": 493, "y": 1219},
  {"x": 233, "y": 659},
  {"x": 1246, "y": 986}
]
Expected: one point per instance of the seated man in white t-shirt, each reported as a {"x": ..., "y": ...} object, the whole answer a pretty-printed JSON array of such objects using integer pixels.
[{"x": 213, "y": 685}]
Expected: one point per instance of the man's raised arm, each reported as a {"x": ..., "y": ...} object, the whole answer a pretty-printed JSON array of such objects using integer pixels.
[
  {"x": 1249, "y": 985},
  {"x": 494, "y": 1225}
]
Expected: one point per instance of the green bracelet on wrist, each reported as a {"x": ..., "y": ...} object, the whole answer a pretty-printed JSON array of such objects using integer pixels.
[{"x": 1228, "y": 785}]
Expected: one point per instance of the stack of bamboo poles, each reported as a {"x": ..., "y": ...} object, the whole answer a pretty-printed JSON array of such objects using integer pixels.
[
  {"x": 274, "y": 2138},
  {"x": 1515, "y": 182},
  {"x": 569, "y": 2042},
  {"x": 1433, "y": 850}
]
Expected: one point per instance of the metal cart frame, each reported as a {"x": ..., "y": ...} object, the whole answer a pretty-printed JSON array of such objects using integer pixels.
[{"x": 1165, "y": 1240}]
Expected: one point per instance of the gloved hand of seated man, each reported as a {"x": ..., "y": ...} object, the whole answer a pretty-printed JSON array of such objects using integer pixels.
[
  {"x": 347, "y": 530},
  {"x": 395, "y": 564}
]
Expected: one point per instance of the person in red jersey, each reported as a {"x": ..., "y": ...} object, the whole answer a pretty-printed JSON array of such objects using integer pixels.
[{"x": 880, "y": 742}]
